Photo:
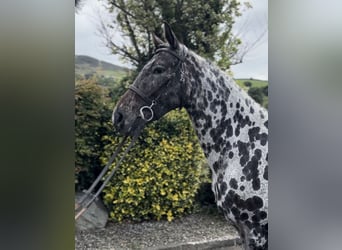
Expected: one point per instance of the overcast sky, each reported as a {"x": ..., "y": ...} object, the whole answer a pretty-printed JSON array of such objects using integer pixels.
[{"x": 252, "y": 24}]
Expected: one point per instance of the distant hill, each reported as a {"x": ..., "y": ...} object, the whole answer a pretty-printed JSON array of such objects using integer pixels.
[{"x": 88, "y": 65}]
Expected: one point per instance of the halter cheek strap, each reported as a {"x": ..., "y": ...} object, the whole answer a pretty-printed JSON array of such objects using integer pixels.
[{"x": 146, "y": 112}]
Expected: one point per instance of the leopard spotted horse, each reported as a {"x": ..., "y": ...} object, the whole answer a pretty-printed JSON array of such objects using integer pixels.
[{"x": 231, "y": 126}]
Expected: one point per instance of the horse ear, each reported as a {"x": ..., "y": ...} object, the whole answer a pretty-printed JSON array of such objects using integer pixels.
[
  {"x": 170, "y": 36},
  {"x": 156, "y": 40}
]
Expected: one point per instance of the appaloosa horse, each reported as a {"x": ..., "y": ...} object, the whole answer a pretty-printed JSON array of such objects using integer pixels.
[{"x": 231, "y": 126}]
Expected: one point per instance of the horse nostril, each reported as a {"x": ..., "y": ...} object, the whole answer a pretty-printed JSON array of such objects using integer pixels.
[{"x": 117, "y": 117}]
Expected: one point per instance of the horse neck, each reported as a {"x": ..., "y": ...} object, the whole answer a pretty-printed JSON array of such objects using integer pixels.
[{"x": 219, "y": 109}]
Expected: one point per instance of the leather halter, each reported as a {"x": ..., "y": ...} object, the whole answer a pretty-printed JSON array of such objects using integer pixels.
[{"x": 146, "y": 98}]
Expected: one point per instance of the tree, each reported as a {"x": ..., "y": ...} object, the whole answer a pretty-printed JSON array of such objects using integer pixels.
[
  {"x": 257, "y": 94},
  {"x": 247, "y": 84},
  {"x": 78, "y": 4},
  {"x": 204, "y": 26}
]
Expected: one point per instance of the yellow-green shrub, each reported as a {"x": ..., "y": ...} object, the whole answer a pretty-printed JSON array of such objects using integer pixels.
[{"x": 161, "y": 174}]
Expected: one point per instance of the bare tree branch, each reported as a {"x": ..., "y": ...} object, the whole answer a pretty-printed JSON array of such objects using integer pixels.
[
  {"x": 131, "y": 32},
  {"x": 121, "y": 50},
  {"x": 121, "y": 8},
  {"x": 243, "y": 51}
]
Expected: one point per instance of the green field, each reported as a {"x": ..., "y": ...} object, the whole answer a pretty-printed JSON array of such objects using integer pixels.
[
  {"x": 255, "y": 83},
  {"x": 115, "y": 74}
]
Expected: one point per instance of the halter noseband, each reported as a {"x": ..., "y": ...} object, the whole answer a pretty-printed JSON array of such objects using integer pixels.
[{"x": 148, "y": 108}]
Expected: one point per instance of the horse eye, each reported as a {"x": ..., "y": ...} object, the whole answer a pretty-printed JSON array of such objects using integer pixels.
[{"x": 158, "y": 70}]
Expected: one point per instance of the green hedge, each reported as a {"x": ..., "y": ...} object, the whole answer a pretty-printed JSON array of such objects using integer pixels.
[
  {"x": 92, "y": 114},
  {"x": 160, "y": 176}
]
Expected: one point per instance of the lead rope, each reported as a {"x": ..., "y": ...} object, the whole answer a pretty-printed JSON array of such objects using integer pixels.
[
  {"x": 88, "y": 192},
  {"x": 99, "y": 177}
]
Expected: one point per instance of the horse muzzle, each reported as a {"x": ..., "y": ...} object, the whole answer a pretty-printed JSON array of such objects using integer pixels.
[{"x": 127, "y": 125}]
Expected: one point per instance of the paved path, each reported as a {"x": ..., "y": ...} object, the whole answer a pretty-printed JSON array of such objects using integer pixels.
[{"x": 196, "y": 231}]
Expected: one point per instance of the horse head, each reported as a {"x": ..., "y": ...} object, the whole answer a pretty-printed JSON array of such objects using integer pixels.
[{"x": 156, "y": 90}]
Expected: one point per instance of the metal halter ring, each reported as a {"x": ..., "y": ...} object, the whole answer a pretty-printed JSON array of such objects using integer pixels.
[{"x": 147, "y": 108}]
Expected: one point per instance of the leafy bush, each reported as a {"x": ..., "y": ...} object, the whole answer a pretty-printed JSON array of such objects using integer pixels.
[
  {"x": 161, "y": 176},
  {"x": 265, "y": 90},
  {"x": 247, "y": 84},
  {"x": 91, "y": 117},
  {"x": 119, "y": 89},
  {"x": 106, "y": 81},
  {"x": 257, "y": 94}
]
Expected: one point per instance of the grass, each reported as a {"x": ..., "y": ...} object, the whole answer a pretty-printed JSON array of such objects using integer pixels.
[
  {"x": 116, "y": 74},
  {"x": 255, "y": 83}
]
